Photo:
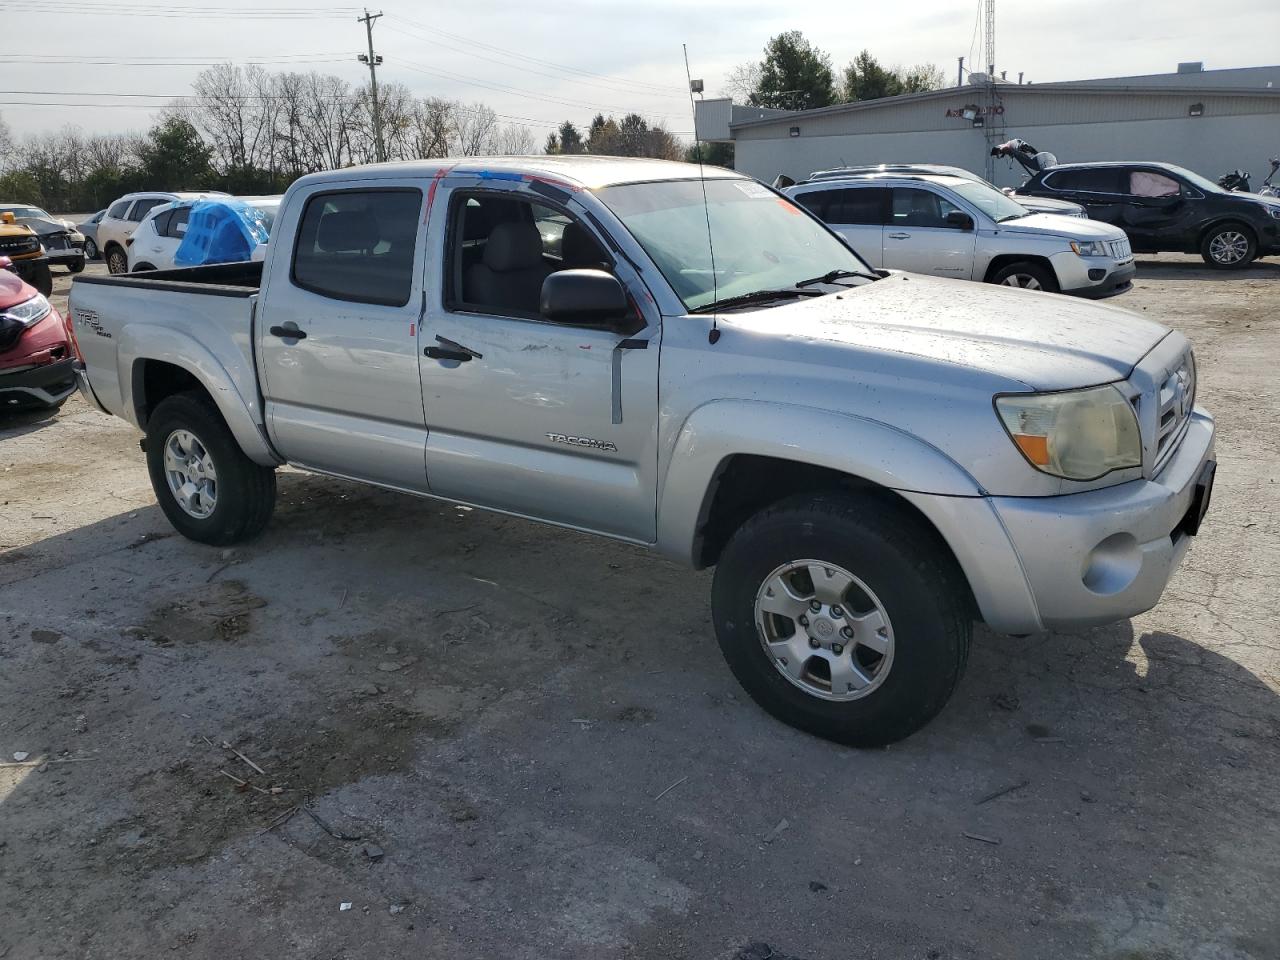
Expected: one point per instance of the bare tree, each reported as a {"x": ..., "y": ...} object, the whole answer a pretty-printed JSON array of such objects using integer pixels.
[
  {"x": 514, "y": 140},
  {"x": 476, "y": 127},
  {"x": 743, "y": 81},
  {"x": 434, "y": 123},
  {"x": 7, "y": 158}
]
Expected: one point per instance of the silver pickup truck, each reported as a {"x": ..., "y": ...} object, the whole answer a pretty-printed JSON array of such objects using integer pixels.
[{"x": 871, "y": 460}]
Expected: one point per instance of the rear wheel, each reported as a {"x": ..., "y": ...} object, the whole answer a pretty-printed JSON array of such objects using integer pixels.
[
  {"x": 1229, "y": 246},
  {"x": 117, "y": 262},
  {"x": 1028, "y": 276},
  {"x": 210, "y": 491},
  {"x": 91, "y": 248},
  {"x": 842, "y": 616},
  {"x": 77, "y": 265},
  {"x": 142, "y": 267}
]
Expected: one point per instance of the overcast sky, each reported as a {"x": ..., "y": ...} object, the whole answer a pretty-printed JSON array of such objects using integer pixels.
[{"x": 580, "y": 56}]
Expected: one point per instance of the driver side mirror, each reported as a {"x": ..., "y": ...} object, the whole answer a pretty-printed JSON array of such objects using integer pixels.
[
  {"x": 586, "y": 298},
  {"x": 960, "y": 220}
]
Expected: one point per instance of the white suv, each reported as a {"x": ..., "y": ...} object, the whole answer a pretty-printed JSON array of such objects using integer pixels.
[
  {"x": 955, "y": 227},
  {"x": 122, "y": 218}
]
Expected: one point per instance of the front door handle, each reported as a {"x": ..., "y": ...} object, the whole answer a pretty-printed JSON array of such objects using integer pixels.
[
  {"x": 444, "y": 353},
  {"x": 288, "y": 332},
  {"x": 451, "y": 350},
  {"x": 899, "y": 236}
]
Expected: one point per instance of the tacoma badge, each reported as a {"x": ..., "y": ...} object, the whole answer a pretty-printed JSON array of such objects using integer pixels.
[{"x": 583, "y": 442}]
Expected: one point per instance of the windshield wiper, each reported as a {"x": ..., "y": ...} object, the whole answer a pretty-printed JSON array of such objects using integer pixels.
[
  {"x": 832, "y": 276},
  {"x": 757, "y": 296}
]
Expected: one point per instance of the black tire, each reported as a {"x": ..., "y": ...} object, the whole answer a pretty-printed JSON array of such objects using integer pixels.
[
  {"x": 907, "y": 568},
  {"x": 117, "y": 260},
  {"x": 76, "y": 266},
  {"x": 1229, "y": 246},
  {"x": 91, "y": 248},
  {"x": 42, "y": 279},
  {"x": 245, "y": 491},
  {"x": 143, "y": 268},
  {"x": 1024, "y": 273}
]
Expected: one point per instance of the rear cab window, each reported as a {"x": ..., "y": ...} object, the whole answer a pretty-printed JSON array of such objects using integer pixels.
[{"x": 359, "y": 245}]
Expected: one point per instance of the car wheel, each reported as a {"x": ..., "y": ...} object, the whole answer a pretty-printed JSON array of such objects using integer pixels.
[
  {"x": 842, "y": 616},
  {"x": 1028, "y": 276},
  {"x": 90, "y": 248},
  {"x": 42, "y": 279},
  {"x": 117, "y": 262},
  {"x": 141, "y": 267},
  {"x": 77, "y": 265},
  {"x": 1229, "y": 246},
  {"x": 210, "y": 491}
]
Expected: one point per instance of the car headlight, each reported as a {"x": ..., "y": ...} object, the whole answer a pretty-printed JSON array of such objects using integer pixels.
[
  {"x": 1074, "y": 434},
  {"x": 28, "y": 312},
  {"x": 1274, "y": 211},
  {"x": 1090, "y": 248}
]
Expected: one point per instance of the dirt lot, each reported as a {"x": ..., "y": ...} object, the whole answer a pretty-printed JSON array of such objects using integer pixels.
[{"x": 496, "y": 706}]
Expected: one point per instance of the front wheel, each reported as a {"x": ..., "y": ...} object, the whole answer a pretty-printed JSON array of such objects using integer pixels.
[
  {"x": 1229, "y": 246},
  {"x": 1028, "y": 276},
  {"x": 210, "y": 491},
  {"x": 77, "y": 265},
  {"x": 91, "y": 248},
  {"x": 843, "y": 616}
]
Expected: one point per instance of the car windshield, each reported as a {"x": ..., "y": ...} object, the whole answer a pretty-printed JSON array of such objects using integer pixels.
[
  {"x": 1197, "y": 181},
  {"x": 990, "y": 201},
  {"x": 29, "y": 212},
  {"x": 761, "y": 241}
]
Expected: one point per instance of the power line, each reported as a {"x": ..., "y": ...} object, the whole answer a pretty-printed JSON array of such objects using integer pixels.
[
  {"x": 609, "y": 83},
  {"x": 521, "y": 56},
  {"x": 85, "y": 8}
]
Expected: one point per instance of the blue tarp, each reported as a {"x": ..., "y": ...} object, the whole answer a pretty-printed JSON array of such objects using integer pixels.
[{"x": 221, "y": 231}]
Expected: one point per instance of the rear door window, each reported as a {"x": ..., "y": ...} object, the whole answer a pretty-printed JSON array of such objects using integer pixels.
[
  {"x": 119, "y": 209},
  {"x": 142, "y": 207},
  {"x": 1088, "y": 180},
  {"x": 177, "y": 225},
  {"x": 161, "y": 223},
  {"x": 863, "y": 205},
  {"x": 359, "y": 245}
]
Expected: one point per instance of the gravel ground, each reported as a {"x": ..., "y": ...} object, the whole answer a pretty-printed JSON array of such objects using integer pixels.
[{"x": 523, "y": 743}]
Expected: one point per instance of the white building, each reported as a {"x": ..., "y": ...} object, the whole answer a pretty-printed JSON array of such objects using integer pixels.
[{"x": 1210, "y": 121}]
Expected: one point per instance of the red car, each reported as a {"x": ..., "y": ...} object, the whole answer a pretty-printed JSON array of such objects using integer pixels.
[{"x": 36, "y": 354}]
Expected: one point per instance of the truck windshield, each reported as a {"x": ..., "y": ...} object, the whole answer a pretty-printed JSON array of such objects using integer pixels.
[
  {"x": 990, "y": 201},
  {"x": 762, "y": 241}
]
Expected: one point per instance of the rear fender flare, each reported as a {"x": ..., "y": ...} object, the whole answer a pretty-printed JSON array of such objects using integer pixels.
[{"x": 139, "y": 342}]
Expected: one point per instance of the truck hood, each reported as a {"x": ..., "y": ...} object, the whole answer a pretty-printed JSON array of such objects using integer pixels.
[
  {"x": 1045, "y": 341},
  {"x": 49, "y": 227},
  {"x": 1052, "y": 224}
]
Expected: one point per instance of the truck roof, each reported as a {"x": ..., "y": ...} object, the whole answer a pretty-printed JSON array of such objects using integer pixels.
[{"x": 589, "y": 172}]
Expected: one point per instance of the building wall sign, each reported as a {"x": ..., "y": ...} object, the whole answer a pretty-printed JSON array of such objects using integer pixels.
[{"x": 971, "y": 111}]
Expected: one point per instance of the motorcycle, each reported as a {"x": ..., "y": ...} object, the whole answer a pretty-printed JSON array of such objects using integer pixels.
[
  {"x": 1237, "y": 181},
  {"x": 1269, "y": 189}
]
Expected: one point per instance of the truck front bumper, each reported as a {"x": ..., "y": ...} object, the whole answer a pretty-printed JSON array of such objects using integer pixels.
[{"x": 1084, "y": 559}]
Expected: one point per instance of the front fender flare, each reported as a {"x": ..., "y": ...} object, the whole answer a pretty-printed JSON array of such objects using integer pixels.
[
  {"x": 868, "y": 449},
  {"x": 139, "y": 342}
]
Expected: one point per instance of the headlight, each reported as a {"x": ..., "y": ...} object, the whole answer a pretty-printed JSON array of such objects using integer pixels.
[
  {"x": 1075, "y": 434},
  {"x": 1091, "y": 248},
  {"x": 1274, "y": 211},
  {"x": 28, "y": 312}
]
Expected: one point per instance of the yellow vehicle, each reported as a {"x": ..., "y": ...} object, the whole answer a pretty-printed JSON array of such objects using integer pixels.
[{"x": 27, "y": 258}]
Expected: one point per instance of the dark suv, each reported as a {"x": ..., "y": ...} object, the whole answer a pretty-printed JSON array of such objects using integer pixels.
[{"x": 1166, "y": 208}]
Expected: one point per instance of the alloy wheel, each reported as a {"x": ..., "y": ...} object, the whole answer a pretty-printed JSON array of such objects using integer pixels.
[
  {"x": 189, "y": 468},
  {"x": 824, "y": 630},
  {"x": 1229, "y": 246},
  {"x": 1023, "y": 280}
]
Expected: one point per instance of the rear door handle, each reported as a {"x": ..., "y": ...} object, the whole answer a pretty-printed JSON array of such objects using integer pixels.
[
  {"x": 899, "y": 236},
  {"x": 288, "y": 332}
]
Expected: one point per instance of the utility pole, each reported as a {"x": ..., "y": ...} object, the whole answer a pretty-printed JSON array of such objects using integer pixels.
[{"x": 373, "y": 60}]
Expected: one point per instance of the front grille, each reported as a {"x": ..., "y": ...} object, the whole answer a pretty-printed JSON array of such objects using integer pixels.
[
  {"x": 56, "y": 241},
  {"x": 1121, "y": 250},
  {"x": 1175, "y": 400},
  {"x": 19, "y": 245}
]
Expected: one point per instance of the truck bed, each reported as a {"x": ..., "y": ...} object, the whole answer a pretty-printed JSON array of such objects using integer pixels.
[
  {"x": 200, "y": 318},
  {"x": 218, "y": 279}
]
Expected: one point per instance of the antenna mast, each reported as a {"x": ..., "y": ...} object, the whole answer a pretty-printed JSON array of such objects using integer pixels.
[{"x": 990, "y": 37}]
